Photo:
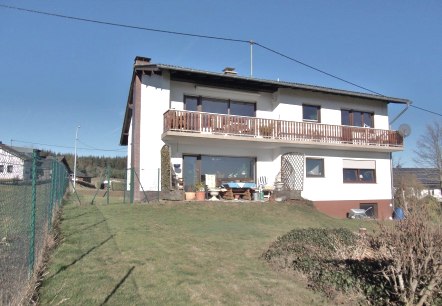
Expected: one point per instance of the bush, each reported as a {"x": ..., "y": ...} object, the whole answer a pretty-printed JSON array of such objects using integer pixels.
[
  {"x": 401, "y": 264},
  {"x": 413, "y": 249},
  {"x": 324, "y": 256}
]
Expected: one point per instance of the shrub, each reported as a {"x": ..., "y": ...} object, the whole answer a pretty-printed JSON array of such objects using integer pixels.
[
  {"x": 400, "y": 264},
  {"x": 334, "y": 262},
  {"x": 413, "y": 249}
]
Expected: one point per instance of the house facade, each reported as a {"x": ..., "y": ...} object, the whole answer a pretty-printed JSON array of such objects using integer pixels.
[
  {"x": 14, "y": 165},
  {"x": 332, "y": 146}
]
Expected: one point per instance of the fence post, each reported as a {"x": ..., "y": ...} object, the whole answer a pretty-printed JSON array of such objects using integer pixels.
[
  {"x": 132, "y": 183},
  {"x": 33, "y": 205},
  {"x": 51, "y": 203},
  {"x": 108, "y": 182},
  {"x": 57, "y": 186},
  {"x": 125, "y": 187},
  {"x": 158, "y": 184}
]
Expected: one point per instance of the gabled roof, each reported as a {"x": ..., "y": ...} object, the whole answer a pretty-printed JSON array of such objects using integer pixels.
[
  {"x": 221, "y": 80},
  {"x": 250, "y": 83},
  {"x": 62, "y": 159},
  {"x": 15, "y": 151},
  {"x": 428, "y": 177}
]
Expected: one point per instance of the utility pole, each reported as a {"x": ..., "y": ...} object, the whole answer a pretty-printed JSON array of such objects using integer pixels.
[
  {"x": 251, "y": 57},
  {"x": 75, "y": 156}
]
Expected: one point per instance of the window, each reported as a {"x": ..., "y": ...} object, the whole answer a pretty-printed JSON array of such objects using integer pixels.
[
  {"x": 2, "y": 168},
  {"x": 191, "y": 103},
  {"x": 371, "y": 209},
  {"x": 219, "y": 106},
  {"x": 359, "y": 175},
  {"x": 314, "y": 167},
  {"x": 9, "y": 168},
  {"x": 311, "y": 113},
  {"x": 242, "y": 109},
  {"x": 225, "y": 168},
  {"x": 356, "y": 118}
]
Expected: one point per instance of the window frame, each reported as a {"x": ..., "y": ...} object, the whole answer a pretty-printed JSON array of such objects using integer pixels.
[
  {"x": 365, "y": 206},
  {"x": 351, "y": 118},
  {"x": 359, "y": 179},
  {"x": 322, "y": 167},
  {"x": 199, "y": 100},
  {"x": 318, "y": 113},
  {"x": 10, "y": 168},
  {"x": 199, "y": 175},
  {"x": 2, "y": 168}
]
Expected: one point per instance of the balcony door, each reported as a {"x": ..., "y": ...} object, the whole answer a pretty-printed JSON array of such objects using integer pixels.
[{"x": 220, "y": 106}]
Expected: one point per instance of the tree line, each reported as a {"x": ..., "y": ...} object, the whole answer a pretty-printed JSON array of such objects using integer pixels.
[{"x": 95, "y": 166}]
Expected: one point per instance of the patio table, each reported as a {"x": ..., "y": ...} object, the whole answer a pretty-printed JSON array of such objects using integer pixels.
[
  {"x": 239, "y": 188},
  {"x": 245, "y": 185}
]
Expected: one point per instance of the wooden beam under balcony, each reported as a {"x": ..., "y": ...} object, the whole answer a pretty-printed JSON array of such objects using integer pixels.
[{"x": 199, "y": 124}]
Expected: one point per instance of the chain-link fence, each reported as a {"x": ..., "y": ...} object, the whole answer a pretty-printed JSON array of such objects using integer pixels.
[
  {"x": 114, "y": 186},
  {"x": 109, "y": 187},
  {"x": 31, "y": 189}
]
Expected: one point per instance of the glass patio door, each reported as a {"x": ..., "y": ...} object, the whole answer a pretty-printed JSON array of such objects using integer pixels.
[{"x": 190, "y": 172}]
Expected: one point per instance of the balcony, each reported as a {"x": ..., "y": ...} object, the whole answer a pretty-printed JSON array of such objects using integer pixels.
[{"x": 178, "y": 123}]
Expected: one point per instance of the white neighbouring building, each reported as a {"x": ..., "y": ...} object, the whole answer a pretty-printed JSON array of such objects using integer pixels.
[
  {"x": 333, "y": 146},
  {"x": 14, "y": 165}
]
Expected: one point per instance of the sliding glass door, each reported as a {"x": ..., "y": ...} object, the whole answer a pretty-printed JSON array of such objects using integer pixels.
[{"x": 225, "y": 168}]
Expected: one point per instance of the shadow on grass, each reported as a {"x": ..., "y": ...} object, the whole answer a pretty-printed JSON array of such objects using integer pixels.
[
  {"x": 86, "y": 228},
  {"x": 118, "y": 285},
  {"x": 75, "y": 217},
  {"x": 63, "y": 268}
]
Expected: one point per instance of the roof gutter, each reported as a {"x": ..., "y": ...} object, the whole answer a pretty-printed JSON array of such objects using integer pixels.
[{"x": 401, "y": 113}]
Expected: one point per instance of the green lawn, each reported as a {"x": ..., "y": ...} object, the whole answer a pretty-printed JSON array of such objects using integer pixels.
[{"x": 176, "y": 254}]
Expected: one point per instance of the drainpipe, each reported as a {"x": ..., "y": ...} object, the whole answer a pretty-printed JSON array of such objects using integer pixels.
[{"x": 391, "y": 153}]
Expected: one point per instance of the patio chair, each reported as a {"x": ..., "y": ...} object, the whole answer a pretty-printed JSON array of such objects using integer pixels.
[{"x": 262, "y": 182}]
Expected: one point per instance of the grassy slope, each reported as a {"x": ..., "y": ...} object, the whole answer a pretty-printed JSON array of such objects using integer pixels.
[{"x": 176, "y": 254}]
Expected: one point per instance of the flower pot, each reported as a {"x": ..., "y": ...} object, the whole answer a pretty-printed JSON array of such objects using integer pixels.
[
  {"x": 190, "y": 196},
  {"x": 200, "y": 195}
]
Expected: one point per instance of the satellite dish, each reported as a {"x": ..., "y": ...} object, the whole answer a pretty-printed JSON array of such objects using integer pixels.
[{"x": 404, "y": 130}]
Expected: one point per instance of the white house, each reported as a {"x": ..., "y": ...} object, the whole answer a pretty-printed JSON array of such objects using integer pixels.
[
  {"x": 14, "y": 164},
  {"x": 333, "y": 146},
  {"x": 429, "y": 178}
]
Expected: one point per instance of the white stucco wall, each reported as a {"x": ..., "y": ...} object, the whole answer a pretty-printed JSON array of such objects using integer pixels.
[
  {"x": 332, "y": 187},
  {"x": 129, "y": 156},
  {"x": 155, "y": 101},
  {"x": 285, "y": 104}
]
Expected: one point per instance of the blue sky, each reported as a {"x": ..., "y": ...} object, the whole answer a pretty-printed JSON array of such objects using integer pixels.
[{"x": 57, "y": 73}]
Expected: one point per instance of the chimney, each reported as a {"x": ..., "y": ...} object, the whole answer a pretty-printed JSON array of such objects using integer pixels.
[
  {"x": 229, "y": 71},
  {"x": 139, "y": 60}
]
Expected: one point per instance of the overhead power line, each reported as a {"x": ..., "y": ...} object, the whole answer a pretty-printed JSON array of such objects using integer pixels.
[
  {"x": 122, "y": 25},
  {"x": 67, "y": 147},
  {"x": 426, "y": 110},
  {"x": 206, "y": 37}
]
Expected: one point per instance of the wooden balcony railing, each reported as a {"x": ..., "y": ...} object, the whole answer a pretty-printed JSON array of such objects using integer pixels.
[{"x": 199, "y": 122}]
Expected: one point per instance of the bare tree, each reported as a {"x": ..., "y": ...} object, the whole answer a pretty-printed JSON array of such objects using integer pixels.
[
  {"x": 429, "y": 149},
  {"x": 413, "y": 250}
]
